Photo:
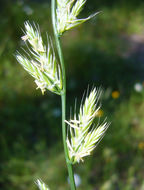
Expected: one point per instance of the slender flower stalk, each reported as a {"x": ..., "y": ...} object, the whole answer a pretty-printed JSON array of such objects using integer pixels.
[{"x": 63, "y": 96}]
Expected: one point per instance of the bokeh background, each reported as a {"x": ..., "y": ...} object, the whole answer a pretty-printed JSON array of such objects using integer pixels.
[{"x": 107, "y": 51}]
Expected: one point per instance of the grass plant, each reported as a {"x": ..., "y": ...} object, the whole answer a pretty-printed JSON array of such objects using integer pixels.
[{"x": 80, "y": 134}]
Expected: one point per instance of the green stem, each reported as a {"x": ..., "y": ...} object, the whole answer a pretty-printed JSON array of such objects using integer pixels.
[{"x": 63, "y": 96}]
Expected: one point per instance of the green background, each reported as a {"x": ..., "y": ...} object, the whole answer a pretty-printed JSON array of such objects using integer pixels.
[{"x": 106, "y": 51}]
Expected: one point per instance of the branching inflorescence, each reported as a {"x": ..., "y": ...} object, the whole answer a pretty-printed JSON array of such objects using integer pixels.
[
  {"x": 84, "y": 133},
  {"x": 40, "y": 62},
  {"x": 67, "y": 12}
]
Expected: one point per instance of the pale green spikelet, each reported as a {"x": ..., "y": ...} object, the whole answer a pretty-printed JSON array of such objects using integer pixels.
[
  {"x": 34, "y": 37},
  {"x": 41, "y": 62},
  {"x": 84, "y": 134},
  {"x": 67, "y": 12},
  {"x": 41, "y": 185}
]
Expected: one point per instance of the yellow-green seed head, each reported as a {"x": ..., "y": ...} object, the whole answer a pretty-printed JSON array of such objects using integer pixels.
[
  {"x": 67, "y": 12},
  {"x": 40, "y": 62},
  {"x": 84, "y": 133},
  {"x": 41, "y": 185}
]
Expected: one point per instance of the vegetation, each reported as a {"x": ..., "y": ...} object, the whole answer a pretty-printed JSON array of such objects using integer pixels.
[{"x": 30, "y": 139}]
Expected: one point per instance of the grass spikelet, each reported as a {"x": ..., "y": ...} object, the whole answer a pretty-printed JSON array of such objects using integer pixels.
[
  {"x": 67, "y": 12},
  {"x": 84, "y": 133},
  {"x": 40, "y": 62},
  {"x": 41, "y": 185}
]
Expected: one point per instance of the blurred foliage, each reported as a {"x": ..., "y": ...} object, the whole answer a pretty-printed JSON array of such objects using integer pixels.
[{"x": 106, "y": 51}]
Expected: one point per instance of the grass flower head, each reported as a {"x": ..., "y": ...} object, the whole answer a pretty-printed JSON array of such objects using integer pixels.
[
  {"x": 40, "y": 62},
  {"x": 41, "y": 185},
  {"x": 67, "y": 12},
  {"x": 84, "y": 133}
]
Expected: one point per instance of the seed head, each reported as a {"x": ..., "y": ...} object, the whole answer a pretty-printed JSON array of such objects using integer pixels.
[
  {"x": 84, "y": 133},
  {"x": 41, "y": 185},
  {"x": 40, "y": 62},
  {"x": 67, "y": 12}
]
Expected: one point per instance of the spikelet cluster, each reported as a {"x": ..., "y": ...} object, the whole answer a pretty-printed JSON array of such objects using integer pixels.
[
  {"x": 41, "y": 185},
  {"x": 84, "y": 134},
  {"x": 67, "y": 12},
  {"x": 40, "y": 61}
]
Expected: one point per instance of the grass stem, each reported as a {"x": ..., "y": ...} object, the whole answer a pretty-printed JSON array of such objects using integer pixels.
[{"x": 63, "y": 95}]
